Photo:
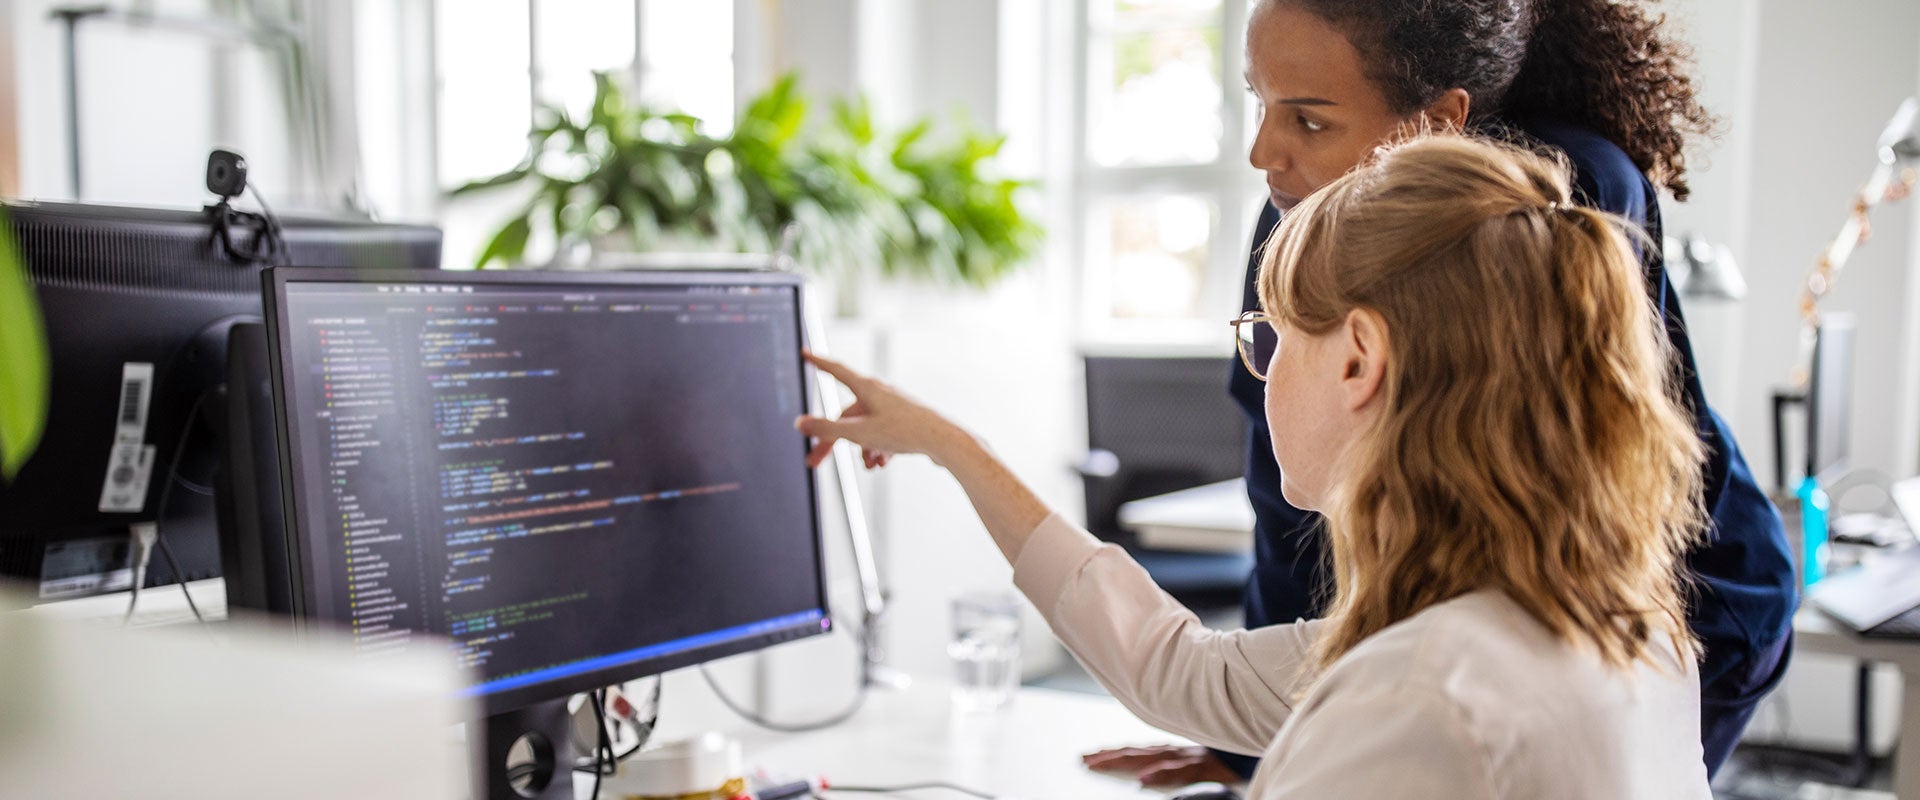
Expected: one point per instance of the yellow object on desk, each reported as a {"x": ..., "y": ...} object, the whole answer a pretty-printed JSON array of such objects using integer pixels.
[{"x": 732, "y": 788}]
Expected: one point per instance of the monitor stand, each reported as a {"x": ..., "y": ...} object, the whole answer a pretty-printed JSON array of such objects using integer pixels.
[{"x": 545, "y": 773}]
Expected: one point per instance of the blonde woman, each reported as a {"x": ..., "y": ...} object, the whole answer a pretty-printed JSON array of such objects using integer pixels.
[{"x": 1471, "y": 386}]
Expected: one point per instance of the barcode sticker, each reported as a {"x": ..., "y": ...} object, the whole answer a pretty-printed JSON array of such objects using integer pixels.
[
  {"x": 130, "y": 462},
  {"x": 136, "y": 391}
]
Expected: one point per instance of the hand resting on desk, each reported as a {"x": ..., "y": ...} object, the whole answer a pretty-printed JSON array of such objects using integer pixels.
[{"x": 1163, "y": 765}]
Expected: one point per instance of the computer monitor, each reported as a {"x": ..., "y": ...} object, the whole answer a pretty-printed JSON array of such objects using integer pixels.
[
  {"x": 573, "y": 479},
  {"x": 137, "y": 304},
  {"x": 1830, "y": 397}
]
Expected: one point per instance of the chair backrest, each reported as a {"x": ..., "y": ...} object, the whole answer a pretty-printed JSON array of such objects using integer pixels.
[{"x": 1170, "y": 424}]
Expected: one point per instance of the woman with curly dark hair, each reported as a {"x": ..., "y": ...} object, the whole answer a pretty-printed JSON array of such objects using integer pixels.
[{"x": 1602, "y": 83}]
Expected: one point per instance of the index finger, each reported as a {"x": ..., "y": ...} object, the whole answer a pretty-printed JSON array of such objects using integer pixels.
[{"x": 839, "y": 371}]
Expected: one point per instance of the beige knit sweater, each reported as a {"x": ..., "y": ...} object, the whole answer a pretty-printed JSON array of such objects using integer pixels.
[{"x": 1471, "y": 698}]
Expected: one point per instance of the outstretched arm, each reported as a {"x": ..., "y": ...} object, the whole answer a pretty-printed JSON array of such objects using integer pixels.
[
  {"x": 1230, "y": 690},
  {"x": 885, "y": 422}
]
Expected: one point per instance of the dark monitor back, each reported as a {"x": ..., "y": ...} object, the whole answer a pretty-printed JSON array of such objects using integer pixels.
[
  {"x": 1169, "y": 424},
  {"x": 120, "y": 285}
]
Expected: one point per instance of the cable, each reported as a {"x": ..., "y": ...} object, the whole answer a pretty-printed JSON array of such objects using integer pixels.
[
  {"x": 643, "y": 732},
  {"x": 909, "y": 787},
  {"x": 179, "y": 579},
  {"x": 277, "y": 244},
  {"x": 859, "y": 699},
  {"x": 268, "y": 245},
  {"x": 160, "y": 515},
  {"x": 602, "y": 748}
]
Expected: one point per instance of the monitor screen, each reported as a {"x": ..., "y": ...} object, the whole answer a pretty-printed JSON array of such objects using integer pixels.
[{"x": 576, "y": 479}]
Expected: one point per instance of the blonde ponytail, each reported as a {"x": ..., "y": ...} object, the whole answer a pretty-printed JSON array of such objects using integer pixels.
[{"x": 1532, "y": 440}]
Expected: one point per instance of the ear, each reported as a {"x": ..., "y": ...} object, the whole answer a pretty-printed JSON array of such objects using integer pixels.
[
  {"x": 1450, "y": 111},
  {"x": 1363, "y": 371}
]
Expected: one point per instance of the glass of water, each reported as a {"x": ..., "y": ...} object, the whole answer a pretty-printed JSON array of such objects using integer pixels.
[{"x": 985, "y": 649}]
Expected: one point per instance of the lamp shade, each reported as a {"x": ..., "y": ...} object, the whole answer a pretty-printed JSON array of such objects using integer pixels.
[{"x": 1900, "y": 142}]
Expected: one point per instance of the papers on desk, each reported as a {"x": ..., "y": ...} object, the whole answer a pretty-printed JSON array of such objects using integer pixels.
[
  {"x": 1872, "y": 593},
  {"x": 1215, "y": 518}
]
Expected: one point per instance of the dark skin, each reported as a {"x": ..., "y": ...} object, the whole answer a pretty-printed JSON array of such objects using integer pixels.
[{"x": 1320, "y": 116}]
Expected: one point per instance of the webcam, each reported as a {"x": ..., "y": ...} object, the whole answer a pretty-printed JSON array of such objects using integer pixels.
[{"x": 226, "y": 174}]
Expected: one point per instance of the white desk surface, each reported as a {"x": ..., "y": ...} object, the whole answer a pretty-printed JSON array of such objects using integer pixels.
[
  {"x": 1029, "y": 749},
  {"x": 159, "y": 605},
  {"x": 1215, "y": 518}
]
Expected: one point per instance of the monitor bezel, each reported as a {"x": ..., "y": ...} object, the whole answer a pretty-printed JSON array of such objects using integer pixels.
[
  {"x": 276, "y": 282},
  {"x": 1834, "y": 339}
]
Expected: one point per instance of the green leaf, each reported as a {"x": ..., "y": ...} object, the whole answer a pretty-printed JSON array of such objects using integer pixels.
[
  {"x": 507, "y": 178},
  {"x": 509, "y": 245},
  {"x": 23, "y": 362}
]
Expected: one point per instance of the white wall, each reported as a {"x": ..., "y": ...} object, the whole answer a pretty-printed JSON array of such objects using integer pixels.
[
  {"x": 1804, "y": 90},
  {"x": 1831, "y": 74}
]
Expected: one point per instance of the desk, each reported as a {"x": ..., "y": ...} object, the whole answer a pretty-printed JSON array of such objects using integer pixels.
[
  {"x": 1030, "y": 749},
  {"x": 1814, "y": 632},
  {"x": 1215, "y": 518}
]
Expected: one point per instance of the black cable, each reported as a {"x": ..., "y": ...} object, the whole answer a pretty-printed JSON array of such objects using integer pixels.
[
  {"x": 644, "y": 732},
  {"x": 268, "y": 246},
  {"x": 160, "y": 515},
  {"x": 179, "y": 578},
  {"x": 602, "y": 748},
  {"x": 276, "y": 243},
  {"x": 909, "y": 787}
]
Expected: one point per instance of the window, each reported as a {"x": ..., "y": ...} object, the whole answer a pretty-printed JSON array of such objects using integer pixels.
[
  {"x": 1166, "y": 201},
  {"x": 499, "y": 60}
]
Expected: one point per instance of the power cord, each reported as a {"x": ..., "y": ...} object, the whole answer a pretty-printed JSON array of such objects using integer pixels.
[
  {"x": 603, "y": 748},
  {"x": 859, "y": 699},
  {"x": 643, "y": 730},
  {"x": 277, "y": 244},
  {"x": 160, "y": 515},
  {"x": 267, "y": 246}
]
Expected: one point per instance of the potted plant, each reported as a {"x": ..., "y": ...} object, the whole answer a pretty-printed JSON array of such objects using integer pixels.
[{"x": 913, "y": 203}]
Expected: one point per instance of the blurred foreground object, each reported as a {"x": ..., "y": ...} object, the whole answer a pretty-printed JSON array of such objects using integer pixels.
[{"x": 229, "y": 712}]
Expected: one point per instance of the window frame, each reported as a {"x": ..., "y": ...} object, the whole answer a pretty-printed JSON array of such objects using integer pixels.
[{"x": 1227, "y": 182}]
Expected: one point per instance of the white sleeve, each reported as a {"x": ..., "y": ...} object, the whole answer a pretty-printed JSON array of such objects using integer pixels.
[{"x": 1232, "y": 691}]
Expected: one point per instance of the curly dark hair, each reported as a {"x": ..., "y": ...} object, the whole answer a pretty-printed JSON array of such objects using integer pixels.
[{"x": 1607, "y": 65}]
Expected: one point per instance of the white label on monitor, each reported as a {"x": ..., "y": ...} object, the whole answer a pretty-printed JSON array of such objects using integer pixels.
[
  {"x": 77, "y": 567},
  {"x": 130, "y": 462},
  {"x": 82, "y": 585},
  {"x": 128, "y": 470},
  {"x": 136, "y": 391}
]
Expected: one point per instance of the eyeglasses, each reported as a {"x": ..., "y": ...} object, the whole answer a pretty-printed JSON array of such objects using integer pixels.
[{"x": 1254, "y": 334}]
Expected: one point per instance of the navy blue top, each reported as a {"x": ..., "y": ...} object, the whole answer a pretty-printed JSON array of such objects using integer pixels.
[{"x": 1742, "y": 609}]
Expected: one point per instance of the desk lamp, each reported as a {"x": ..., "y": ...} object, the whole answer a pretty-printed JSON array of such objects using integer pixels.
[{"x": 1892, "y": 180}]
